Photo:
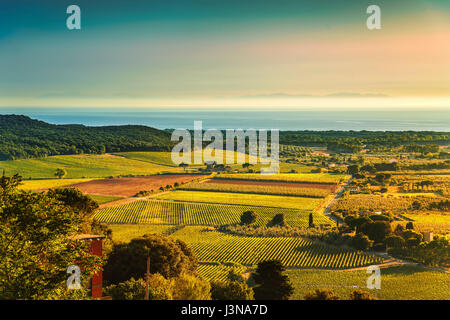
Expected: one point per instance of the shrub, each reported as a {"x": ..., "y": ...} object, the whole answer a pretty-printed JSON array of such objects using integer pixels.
[
  {"x": 321, "y": 294},
  {"x": 395, "y": 242},
  {"x": 278, "y": 220},
  {"x": 379, "y": 247},
  {"x": 230, "y": 290},
  {"x": 188, "y": 287},
  {"x": 248, "y": 217},
  {"x": 361, "y": 242},
  {"x": 361, "y": 295},
  {"x": 379, "y": 217},
  {"x": 128, "y": 290}
]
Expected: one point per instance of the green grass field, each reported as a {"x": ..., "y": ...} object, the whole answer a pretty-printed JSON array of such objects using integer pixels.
[
  {"x": 183, "y": 213},
  {"x": 48, "y": 183},
  {"x": 304, "y": 204},
  {"x": 83, "y": 166},
  {"x": 213, "y": 246},
  {"x": 397, "y": 283}
]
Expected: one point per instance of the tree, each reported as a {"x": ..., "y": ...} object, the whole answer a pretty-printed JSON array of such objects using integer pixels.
[
  {"x": 246, "y": 165},
  {"x": 271, "y": 283},
  {"x": 183, "y": 165},
  {"x": 189, "y": 287},
  {"x": 36, "y": 247},
  {"x": 353, "y": 169},
  {"x": 361, "y": 295},
  {"x": 230, "y": 290},
  {"x": 377, "y": 230},
  {"x": 168, "y": 256},
  {"x": 395, "y": 242},
  {"x": 278, "y": 220},
  {"x": 60, "y": 173},
  {"x": 248, "y": 217},
  {"x": 74, "y": 198},
  {"x": 321, "y": 294},
  {"x": 311, "y": 220},
  {"x": 361, "y": 242}
]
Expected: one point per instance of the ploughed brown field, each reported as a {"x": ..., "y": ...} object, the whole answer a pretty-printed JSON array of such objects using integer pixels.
[
  {"x": 128, "y": 187},
  {"x": 331, "y": 187}
]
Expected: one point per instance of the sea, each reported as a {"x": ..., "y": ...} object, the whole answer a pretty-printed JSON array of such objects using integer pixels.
[{"x": 275, "y": 118}]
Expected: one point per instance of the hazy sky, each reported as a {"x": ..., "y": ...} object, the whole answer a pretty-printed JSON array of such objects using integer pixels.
[{"x": 224, "y": 52}]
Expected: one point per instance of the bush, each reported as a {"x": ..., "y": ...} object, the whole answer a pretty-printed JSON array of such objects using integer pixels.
[
  {"x": 230, "y": 290},
  {"x": 278, "y": 220},
  {"x": 380, "y": 217},
  {"x": 159, "y": 287},
  {"x": 395, "y": 242},
  {"x": 408, "y": 234},
  {"x": 361, "y": 295},
  {"x": 248, "y": 217},
  {"x": 188, "y": 287},
  {"x": 361, "y": 242},
  {"x": 379, "y": 247},
  {"x": 128, "y": 290},
  {"x": 321, "y": 294}
]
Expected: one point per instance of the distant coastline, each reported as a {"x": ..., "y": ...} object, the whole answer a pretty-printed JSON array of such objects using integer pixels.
[{"x": 316, "y": 120}]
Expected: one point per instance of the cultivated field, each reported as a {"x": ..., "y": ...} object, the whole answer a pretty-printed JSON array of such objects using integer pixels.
[
  {"x": 213, "y": 246},
  {"x": 48, "y": 183},
  {"x": 331, "y": 187},
  {"x": 258, "y": 189},
  {"x": 434, "y": 221},
  {"x": 326, "y": 178},
  {"x": 397, "y": 283},
  {"x": 127, "y": 187},
  {"x": 126, "y": 232},
  {"x": 218, "y": 271},
  {"x": 304, "y": 204},
  {"x": 184, "y": 213}
]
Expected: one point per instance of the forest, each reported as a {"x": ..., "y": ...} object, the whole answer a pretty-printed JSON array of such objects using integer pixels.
[{"x": 22, "y": 137}]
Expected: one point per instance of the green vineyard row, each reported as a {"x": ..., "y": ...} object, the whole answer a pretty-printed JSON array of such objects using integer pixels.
[
  {"x": 211, "y": 246},
  {"x": 185, "y": 213}
]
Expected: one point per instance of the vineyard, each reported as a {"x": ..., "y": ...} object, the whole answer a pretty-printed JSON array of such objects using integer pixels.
[
  {"x": 305, "y": 204},
  {"x": 320, "y": 178},
  {"x": 211, "y": 246},
  {"x": 438, "y": 223},
  {"x": 365, "y": 202},
  {"x": 256, "y": 189},
  {"x": 218, "y": 271},
  {"x": 184, "y": 213}
]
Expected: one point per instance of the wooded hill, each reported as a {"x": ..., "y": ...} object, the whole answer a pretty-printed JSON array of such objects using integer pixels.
[{"x": 22, "y": 137}]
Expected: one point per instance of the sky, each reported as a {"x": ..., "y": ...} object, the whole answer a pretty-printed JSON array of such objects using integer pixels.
[{"x": 206, "y": 53}]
